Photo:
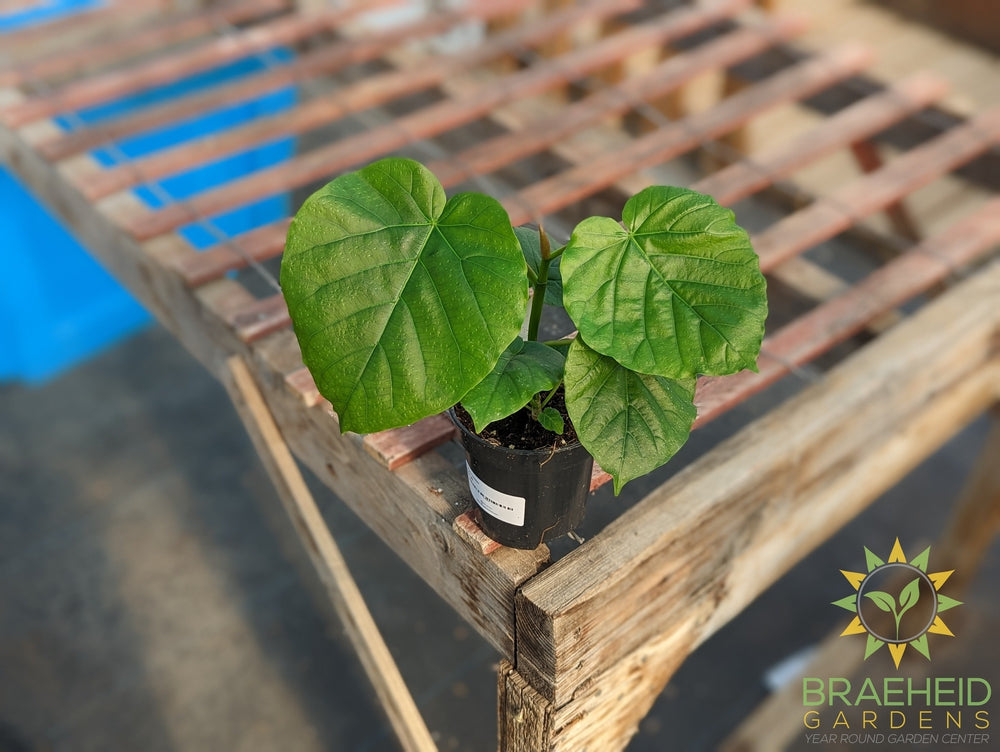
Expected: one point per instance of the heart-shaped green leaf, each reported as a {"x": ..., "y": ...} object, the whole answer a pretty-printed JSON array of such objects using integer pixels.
[
  {"x": 531, "y": 247},
  {"x": 401, "y": 300},
  {"x": 550, "y": 419},
  {"x": 676, "y": 292},
  {"x": 523, "y": 370},
  {"x": 630, "y": 422}
]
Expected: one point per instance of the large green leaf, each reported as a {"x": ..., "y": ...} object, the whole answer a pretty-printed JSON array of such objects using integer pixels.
[
  {"x": 531, "y": 247},
  {"x": 401, "y": 300},
  {"x": 524, "y": 370},
  {"x": 676, "y": 292},
  {"x": 630, "y": 422}
]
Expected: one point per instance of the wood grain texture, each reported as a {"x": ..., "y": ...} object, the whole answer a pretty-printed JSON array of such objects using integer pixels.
[
  {"x": 524, "y": 718},
  {"x": 397, "y": 446},
  {"x": 975, "y": 525},
  {"x": 365, "y": 638},
  {"x": 697, "y": 550}
]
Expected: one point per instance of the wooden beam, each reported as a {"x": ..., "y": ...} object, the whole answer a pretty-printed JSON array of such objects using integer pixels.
[
  {"x": 93, "y": 25},
  {"x": 542, "y": 133},
  {"x": 308, "y": 521},
  {"x": 696, "y": 551}
]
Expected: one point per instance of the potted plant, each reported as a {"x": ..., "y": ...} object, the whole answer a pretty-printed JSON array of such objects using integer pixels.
[{"x": 407, "y": 303}]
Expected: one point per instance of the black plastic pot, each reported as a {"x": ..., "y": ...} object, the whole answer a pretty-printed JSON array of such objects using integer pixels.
[{"x": 526, "y": 496}]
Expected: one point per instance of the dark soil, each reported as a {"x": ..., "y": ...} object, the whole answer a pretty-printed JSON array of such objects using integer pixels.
[{"x": 521, "y": 431}]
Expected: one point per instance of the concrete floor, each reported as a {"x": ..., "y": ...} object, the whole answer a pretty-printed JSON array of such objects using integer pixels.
[{"x": 152, "y": 598}]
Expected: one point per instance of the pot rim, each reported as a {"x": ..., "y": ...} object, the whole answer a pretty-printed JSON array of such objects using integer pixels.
[{"x": 575, "y": 444}]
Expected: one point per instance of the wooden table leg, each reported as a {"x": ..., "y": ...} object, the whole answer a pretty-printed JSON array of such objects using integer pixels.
[
  {"x": 326, "y": 557},
  {"x": 524, "y": 717}
]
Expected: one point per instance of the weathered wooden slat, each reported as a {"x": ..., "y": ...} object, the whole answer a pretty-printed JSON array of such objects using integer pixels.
[
  {"x": 307, "y": 519},
  {"x": 867, "y": 156},
  {"x": 535, "y": 136},
  {"x": 325, "y": 60},
  {"x": 365, "y": 94},
  {"x": 397, "y": 446},
  {"x": 428, "y": 121},
  {"x": 300, "y": 382},
  {"x": 874, "y": 192},
  {"x": 260, "y": 318},
  {"x": 574, "y": 184},
  {"x": 86, "y": 27},
  {"x": 858, "y": 121},
  {"x": 114, "y": 84},
  {"x": 692, "y": 554},
  {"x": 188, "y": 26},
  {"x": 900, "y": 280},
  {"x": 258, "y": 245}
]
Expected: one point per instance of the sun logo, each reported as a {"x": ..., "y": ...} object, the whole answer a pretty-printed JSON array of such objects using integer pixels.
[{"x": 897, "y": 603}]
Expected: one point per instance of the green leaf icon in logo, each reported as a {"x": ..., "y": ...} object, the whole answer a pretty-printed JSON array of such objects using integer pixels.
[
  {"x": 909, "y": 596},
  {"x": 907, "y": 599}
]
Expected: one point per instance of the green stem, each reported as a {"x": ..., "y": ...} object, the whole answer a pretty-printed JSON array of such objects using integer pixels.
[
  {"x": 552, "y": 394},
  {"x": 564, "y": 342},
  {"x": 538, "y": 299}
]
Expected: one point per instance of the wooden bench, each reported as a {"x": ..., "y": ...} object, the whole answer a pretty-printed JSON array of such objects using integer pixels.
[{"x": 550, "y": 107}]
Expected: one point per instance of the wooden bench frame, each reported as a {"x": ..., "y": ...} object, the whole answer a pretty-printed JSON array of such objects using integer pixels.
[{"x": 590, "y": 640}]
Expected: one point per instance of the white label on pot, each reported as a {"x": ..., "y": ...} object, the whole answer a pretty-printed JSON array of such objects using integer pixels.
[{"x": 504, "y": 507}]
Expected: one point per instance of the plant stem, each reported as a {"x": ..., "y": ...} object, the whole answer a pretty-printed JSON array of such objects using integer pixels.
[
  {"x": 564, "y": 342},
  {"x": 551, "y": 395},
  {"x": 538, "y": 299}
]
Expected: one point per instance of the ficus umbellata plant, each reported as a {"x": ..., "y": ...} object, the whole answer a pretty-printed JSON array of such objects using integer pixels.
[{"x": 406, "y": 302}]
